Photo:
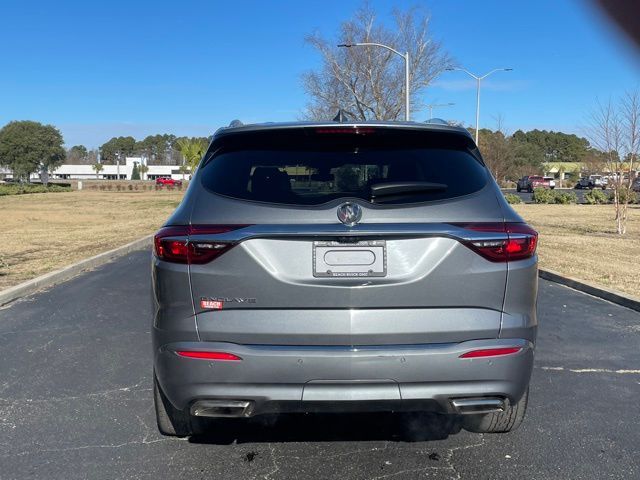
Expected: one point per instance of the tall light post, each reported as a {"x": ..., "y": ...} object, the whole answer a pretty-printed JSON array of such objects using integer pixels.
[
  {"x": 431, "y": 106},
  {"x": 478, "y": 80},
  {"x": 404, "y": 55}
]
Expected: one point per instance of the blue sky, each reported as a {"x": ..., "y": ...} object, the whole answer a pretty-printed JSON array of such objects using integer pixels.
[{"x": 100, "y": 69}]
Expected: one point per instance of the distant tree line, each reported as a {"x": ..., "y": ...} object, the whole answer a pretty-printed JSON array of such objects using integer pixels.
[
  {"x": 161, "y": 149},
  {"x": 523, "y": 153},
  {"x": 28, "y": 147}
]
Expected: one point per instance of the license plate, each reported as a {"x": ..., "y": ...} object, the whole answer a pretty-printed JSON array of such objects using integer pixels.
[{"x": 359, "y": 259}]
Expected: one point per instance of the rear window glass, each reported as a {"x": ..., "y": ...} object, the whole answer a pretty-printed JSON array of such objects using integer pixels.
[{"x": 319, "y": 169}]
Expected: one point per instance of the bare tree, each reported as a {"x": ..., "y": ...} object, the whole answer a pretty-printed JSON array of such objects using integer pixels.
[
  {"x": 368, "y": 82},
  {"x": 615, "y": 130},
  {"x": 497, "y": 151},
  {"x": 595, "y": 162}
]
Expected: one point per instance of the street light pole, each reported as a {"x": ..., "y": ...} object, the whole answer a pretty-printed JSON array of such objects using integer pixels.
[
  {"x": 478, "y": 80},
  {"x": 405, "y": 56},
  {"x": 431, "y": 106}
]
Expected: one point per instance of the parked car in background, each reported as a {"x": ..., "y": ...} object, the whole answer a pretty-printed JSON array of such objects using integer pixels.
[
  {"x": 591, "y": 182},
  {"x": 168, "y": 181},
  {"x": 552, "y": 182},
  {"x": 270, "y": 297},
  {"x": 530, "y": 182},
  {"x": 635, "y": 186}
]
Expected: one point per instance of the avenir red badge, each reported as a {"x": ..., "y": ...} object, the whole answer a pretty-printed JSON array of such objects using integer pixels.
[{"x": 208, "y": 304}]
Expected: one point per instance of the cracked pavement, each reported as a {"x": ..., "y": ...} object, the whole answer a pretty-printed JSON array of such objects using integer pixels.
[{"x": 75, "y": 402}]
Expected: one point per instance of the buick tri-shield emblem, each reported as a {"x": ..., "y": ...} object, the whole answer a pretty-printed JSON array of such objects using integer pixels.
[{"x": 349, "y": 214}]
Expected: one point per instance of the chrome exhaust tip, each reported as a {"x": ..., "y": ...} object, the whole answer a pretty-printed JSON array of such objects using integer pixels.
[
  {"x": 222, "y": 408},
  {"x": 469, "y": 406}
]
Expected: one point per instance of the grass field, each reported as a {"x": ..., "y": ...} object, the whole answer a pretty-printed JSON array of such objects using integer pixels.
[
  {"x": 580, "y": 241},
  {"x": 46, "y": 231}
]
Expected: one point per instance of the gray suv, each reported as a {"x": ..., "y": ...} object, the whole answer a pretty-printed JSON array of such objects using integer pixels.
[{"x": 335, "y": 267}]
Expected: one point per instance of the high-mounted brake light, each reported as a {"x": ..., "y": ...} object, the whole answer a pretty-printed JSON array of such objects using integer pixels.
[
  {"x": 219, "y": 356},
  {"x": 490, "y": 352},
  {"x": 173, "y": 244},
  {"x": 520, "y": 243},
  {"x": 344, "y": 130}
]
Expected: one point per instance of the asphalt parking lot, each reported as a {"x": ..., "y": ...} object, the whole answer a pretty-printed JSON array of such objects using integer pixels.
[
  {"x": 527, "y": 197},
  {"x": 75, "y": 402}
]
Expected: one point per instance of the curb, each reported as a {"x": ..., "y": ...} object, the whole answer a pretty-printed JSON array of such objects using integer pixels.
[
  {"x": 48, "y": 279},
  {"x": 613, "y": 296}
]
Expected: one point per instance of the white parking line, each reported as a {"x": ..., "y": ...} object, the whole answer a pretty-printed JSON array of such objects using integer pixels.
[{"x": 593, "y": 370}]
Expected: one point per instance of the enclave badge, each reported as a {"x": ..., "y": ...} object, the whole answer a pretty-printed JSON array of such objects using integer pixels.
[{"x": 349, "y": 213}]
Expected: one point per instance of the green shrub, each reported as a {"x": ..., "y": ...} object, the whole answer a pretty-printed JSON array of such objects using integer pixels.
[
  {"x": 596, "y": 197},
  {"x": 542, "y": 195},
  {"x": 135, "y": 173},
  {"x": 512, "y": 198},
  {"x": 565, "y": 198},
  {"x": 25, "y": 188},
  {"x": 633, "y": 198}
]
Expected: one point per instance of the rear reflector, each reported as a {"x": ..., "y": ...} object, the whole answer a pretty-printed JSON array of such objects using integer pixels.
[
  {"x": 219, "y": 356},
  {"x": 172, "y": 244},
  {"x": 490, "y": 352},
  {"x": 521, "y": 241}
]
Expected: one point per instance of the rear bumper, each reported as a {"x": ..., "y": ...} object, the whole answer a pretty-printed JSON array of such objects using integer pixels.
[{"x": 305, "y": 379}]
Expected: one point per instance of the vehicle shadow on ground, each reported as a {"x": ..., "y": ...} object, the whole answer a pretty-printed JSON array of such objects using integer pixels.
[{"x": 399, "y": 427}]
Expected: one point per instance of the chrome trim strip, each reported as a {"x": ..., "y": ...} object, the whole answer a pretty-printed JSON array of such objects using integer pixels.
[{"x": 399, "y": 230}]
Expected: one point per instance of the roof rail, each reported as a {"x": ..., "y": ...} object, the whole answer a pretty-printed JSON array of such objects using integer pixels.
[{"x": 437, "y": 121}]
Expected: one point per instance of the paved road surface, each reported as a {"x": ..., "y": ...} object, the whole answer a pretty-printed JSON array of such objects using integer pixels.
[{"x": 75, "y": 402}]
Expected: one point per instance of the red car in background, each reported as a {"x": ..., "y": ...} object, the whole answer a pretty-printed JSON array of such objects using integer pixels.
[
  {"x": 530, "y": 182},
  {"x": 168, "y": 181}
]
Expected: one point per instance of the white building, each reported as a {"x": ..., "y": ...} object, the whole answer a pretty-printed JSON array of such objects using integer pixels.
[{"x": 109, "y": 172}]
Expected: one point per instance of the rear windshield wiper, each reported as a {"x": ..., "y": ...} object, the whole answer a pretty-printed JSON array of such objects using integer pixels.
[{"x": 388, "y": 189}]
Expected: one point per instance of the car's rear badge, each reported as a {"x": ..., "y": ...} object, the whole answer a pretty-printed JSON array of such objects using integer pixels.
[
  {"x": 208, "y": 304},
  {"x": 217, "y": 303},
  {"x": 349, "y": 213}
]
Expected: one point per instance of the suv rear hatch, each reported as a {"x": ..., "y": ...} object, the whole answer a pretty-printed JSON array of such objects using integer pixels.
[{"x": 274, "y": 263}]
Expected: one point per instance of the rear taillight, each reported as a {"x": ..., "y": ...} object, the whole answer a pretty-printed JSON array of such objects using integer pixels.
[
  {"x": 175, "y": 245},
  {"x": 521, "y": 241},
  {"x": 491, "y": 352}
]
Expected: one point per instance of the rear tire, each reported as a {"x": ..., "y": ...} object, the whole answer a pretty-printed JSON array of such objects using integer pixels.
[
  {"x": 171, "y": 421},
  {"x": 498, "y": 422}
]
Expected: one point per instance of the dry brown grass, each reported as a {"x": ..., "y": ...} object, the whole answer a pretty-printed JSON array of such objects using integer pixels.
[
  {"x": 43, "y": 232},
  {"x": 580, "y": 241}
]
